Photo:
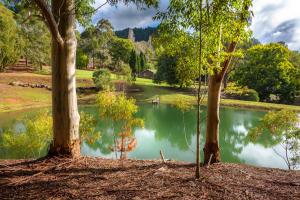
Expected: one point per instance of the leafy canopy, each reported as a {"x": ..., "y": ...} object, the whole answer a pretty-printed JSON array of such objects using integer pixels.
[
  {"x": 267, "y": 69},
  {"x": 9, "y": 38},
  {"x": 284, "y": 128}
]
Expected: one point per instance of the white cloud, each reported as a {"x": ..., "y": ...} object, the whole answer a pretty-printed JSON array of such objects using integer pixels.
[
  {"x": 124, "y": 16},
  {"x": 276, "y": 20}
]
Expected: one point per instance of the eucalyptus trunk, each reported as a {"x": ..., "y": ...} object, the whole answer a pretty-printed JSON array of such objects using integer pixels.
[
  {"x": 211, "y": 148},
  {"x": 64, "y": 99}
]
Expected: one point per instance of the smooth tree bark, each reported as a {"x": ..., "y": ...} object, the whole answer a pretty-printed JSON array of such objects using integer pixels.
[
  {"x": 212, "y": 147},
  {"x": 61, "y": 22}
]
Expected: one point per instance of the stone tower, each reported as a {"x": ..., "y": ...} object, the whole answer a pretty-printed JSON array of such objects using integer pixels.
[{"x": 131, "y": 35}]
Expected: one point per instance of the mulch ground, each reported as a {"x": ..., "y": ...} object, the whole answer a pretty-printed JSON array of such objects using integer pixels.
[{"x": 96, "y": 178}]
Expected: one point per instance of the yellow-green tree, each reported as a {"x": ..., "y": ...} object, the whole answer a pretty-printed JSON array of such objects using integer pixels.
[
  {"x": 121, "y": 110},
  {"x": 284, "y": 128}
]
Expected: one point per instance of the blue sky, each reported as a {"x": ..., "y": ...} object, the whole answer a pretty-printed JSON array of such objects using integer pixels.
[{"x": 274, "y": 20}]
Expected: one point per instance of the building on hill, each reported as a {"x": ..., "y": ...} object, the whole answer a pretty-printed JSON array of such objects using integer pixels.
[{"x": 147, "y": 73}]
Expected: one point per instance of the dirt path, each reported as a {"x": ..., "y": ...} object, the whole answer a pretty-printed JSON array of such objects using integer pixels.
[{"x": 91, "y": 178}]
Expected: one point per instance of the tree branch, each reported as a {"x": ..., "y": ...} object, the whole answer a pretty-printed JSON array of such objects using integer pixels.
[
  {"x": 30, "y": 16},
  {"x": 231, "y": 48},
  {"x": 50, "y": 20}
]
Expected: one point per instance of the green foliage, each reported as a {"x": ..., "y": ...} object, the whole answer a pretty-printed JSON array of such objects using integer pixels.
[
  {"x": 179, "y": 45},
  {"x": 125, "y": 73},
  {"x": 133, "y": 62},
  {"x": 267, "y": 69},
  {"x": 242, "y": 93},
  {"x": 82, "y": 60},
  {"x": 284, "y": 128},
  {"x": 166, "y": 70},
  {"x": 94, "y": 40},
  {"x": 143, "y": 61},
  {"x": 116, "y": 107},
  {"x": 137, "y": 62},
  {"x": 32, "y": 140},
  {"x": 183, "y": 105},
  {"x": 102, "y": 79},
  {"x": 9, "y": 39},
  {"x": 220, "y": 22},
  {"x": 120, "y": 109},
  {"x": 120, "y": 50},
  {"x": 87, "y": 128},
  {"x": 36, "y": 40}
]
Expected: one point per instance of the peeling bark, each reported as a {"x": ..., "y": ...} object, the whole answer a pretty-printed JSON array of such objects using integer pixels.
[{"x": 64, "y": 100}]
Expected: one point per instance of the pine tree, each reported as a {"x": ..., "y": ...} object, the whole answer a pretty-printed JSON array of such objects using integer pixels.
[
  {"x": 133, "y": 62},
  {"x": 142, "y": 61}
]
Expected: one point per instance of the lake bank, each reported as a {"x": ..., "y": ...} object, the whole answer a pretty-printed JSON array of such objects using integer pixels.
[
  {"x": 14, "y": 98},
  {"x": 96, "y": 178}
]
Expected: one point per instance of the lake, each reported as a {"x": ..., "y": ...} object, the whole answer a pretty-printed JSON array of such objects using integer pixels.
[{"x": 164, "y": 130}]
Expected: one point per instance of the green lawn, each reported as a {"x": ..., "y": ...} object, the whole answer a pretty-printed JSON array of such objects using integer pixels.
[
  {"x": 169, "y": 95},
  {"x": 84, "y": 73},
  {"x": 16, "y": 98}
]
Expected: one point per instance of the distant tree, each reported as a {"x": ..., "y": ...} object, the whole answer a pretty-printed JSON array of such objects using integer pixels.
[
  {"x": 166, "y": 70},
  {"x": 102, "y": 79},
  {"x": 133, "y": 62},
  {"x": 138, "y": 63},
  {"x": 120, "y": 50},
  {"x": 143, "y": 61},
  {"x": 267, "y": 69},
  {"x": 9, "y": 39},
  {"x": 283, "y": 127},
  {"x": 82, "y": 59},
  {"x": 177, "y": 44},
  {"x": 36, "y": 39},
  {"x": 236, "y": 61},
  {"x": 89, "y": 43},
  {"x": 104, "y": 34}
]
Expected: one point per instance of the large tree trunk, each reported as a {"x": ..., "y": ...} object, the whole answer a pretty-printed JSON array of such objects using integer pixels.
[
  {"x": 64, "y": 99},
  {"x": 212, "y": 149}
]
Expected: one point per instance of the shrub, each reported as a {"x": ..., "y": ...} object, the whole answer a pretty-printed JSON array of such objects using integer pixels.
[
  {"x": 234, "y": 91},
  {"x": 102, "y": 79}
]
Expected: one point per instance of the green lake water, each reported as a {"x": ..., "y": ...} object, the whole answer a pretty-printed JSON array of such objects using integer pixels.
[{"x": 164, "y": 130}]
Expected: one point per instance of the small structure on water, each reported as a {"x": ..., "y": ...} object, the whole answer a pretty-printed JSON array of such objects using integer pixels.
[{"x": 156, "y": 101}]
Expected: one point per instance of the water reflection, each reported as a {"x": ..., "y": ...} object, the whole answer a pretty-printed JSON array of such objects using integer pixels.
[{"x": 164, "y": 131}]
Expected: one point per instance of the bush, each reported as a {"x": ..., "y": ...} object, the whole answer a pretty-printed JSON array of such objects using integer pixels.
[
  {"x": 234, "y": 91},
  {"x": 102, "y": 79}
]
